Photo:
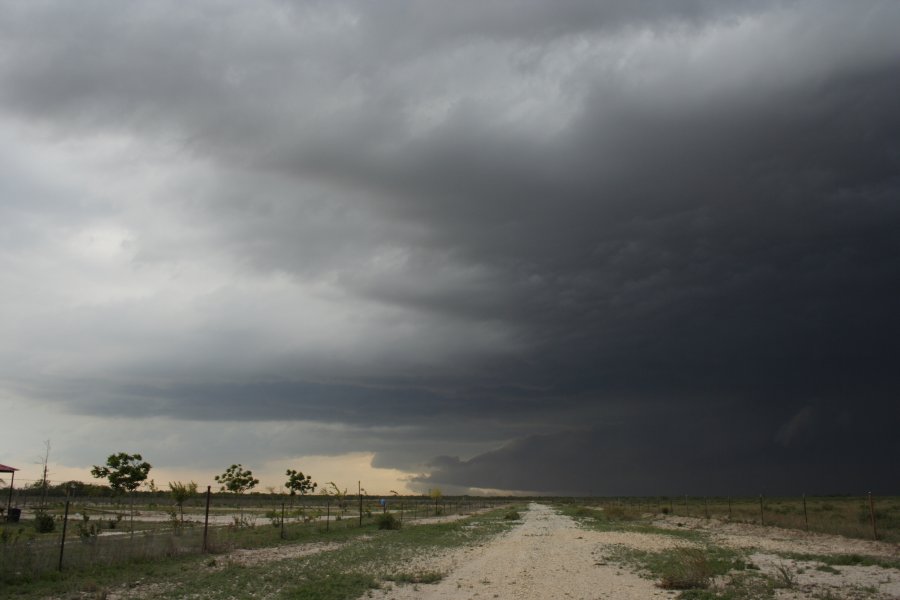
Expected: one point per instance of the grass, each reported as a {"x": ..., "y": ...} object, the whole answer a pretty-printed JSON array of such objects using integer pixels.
[
  {"x": 742, "y": 586},
  {"x": 848, "y": 516},
  {"x": 681, "y": 568},
  {"x": 832, "y": 560},
  {"x": 615, "y": 520},
  {"x": 365, "y": 558},
  {"x": 415, "y": 577},
  {"x": 333, "y": 586},
  {"x": 687, "y": 569}
]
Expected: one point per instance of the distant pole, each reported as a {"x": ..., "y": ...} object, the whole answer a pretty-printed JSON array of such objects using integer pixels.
[
  {"x": 359, "y": 491},
  {"x": 729, "y": 507},
  {"x": 872, "y": 514},
  {"x": 282, "y": 520},
  {"x": 706, "y": 506},
  {"x": 805, "y": 515},
  {"x": 62, "y": 541},
  {"x": 685, "y": 505},
  {"x": 762, "y": 517},
  {"x": 327, "y": 513},
  {"x": 206, "y": 519},
  {"x": 671, "y": 506}
]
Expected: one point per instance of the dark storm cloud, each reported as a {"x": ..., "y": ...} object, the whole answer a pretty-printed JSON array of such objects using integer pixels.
[{"x": 528, "y": 218}]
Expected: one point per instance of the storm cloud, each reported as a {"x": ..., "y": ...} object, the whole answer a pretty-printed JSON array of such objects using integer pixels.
[{"x": 637, "y": 246}]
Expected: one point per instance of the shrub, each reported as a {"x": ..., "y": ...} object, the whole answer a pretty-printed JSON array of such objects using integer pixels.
[
  {"x": 688, "y": 571},
  {"x": 415, "y": 577},
  {"x": 43, "y": 523},
  {"x": 512, "y": 516},
  {"x": 388, "y": 521}
]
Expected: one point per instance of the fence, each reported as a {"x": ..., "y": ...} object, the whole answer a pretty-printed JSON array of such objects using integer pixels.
[
  {"x": 864, "y": 516},
  {"x": 89, "y": 531}
]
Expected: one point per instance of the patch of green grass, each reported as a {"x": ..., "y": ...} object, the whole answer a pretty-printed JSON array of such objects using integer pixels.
[
  {"x": 363, "y": 556},
  {"x": 828, "y": 569},
  {"x": 602, "y": 520},
  {"x": 415, "y": 577},
  {"x": 688, "y": 569},
  {"x": 332, "y": 586},
  {"x": 741, "y": 586},
  {"x": 692, "y": 569},
  {"x": 846, "y": 560}
]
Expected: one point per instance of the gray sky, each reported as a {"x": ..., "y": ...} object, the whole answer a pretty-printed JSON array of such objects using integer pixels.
[{"x": 572, "y": 247}]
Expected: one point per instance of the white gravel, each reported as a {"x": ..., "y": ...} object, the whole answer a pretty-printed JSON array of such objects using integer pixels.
[{"x": 547, "y": 556}]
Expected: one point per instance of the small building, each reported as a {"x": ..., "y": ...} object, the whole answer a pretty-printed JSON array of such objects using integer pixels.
[{"x": 12, "y": 471}]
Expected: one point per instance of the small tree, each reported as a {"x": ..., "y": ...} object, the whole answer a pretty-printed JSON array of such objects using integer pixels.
[
  {"x": 237, "y": 480},
  {"x": 299, "y": 484},
  {"x": 436, "y": 495},
  {"x": 340, "y": 496},
  {"x": 125, "y": 472},
  {"x": 181, "y": 493}
]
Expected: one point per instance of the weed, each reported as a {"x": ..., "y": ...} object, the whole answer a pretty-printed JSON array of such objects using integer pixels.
[
  {"x": 415, "y": 577},
  {"x": 512, "y": 516},
  {"x": 333, "y": 586},
  {"x": 741, "y": 586},
  {"x": 828, "y": 569},
  {"x": 387, "y": 521},
  {"x": 43, "y": 523},
  {"x": 845, "y": 559},
  {"x": 786, "y": 578},
  {"x": 689, "y": 570}
]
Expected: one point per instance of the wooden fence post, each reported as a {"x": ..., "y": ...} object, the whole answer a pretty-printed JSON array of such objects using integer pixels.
[
  {"x": 872, "y": 514},
  {"x": 62, "y": 541},
  {"x": 762, "y": 517},
  {"x": 805, "y": 515}
]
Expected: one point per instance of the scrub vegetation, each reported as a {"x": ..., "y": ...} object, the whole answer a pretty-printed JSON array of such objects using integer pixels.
[{"x": 341, "y": 563}]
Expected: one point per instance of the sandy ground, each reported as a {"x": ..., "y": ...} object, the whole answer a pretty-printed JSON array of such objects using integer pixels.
[
  {"x": 775, "y": 539},
  {"x": 764, "y": 546},
  {"x": 547, "y": 556}
]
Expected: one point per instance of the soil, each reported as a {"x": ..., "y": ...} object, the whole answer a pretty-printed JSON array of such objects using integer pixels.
[
  {"x": 547, "y": 556},
  {"x": 550, "y": 556}
]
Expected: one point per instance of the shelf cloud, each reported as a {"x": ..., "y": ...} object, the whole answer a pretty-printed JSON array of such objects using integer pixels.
[{"x": 569, "y": 247}]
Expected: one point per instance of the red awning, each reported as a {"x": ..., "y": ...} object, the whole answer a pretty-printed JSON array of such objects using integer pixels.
[{"x": 5, "y": 469}]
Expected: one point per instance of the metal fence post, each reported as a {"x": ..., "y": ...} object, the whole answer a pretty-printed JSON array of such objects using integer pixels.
[
  {"x": 62, "y": 541},
  {"x": 206, "y": 520}
]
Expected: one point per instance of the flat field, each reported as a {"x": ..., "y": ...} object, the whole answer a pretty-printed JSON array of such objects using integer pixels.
[{"x": 572, "y": 549}]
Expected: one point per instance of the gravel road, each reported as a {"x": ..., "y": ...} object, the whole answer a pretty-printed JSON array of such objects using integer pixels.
[{"x": 547, "y": 556}]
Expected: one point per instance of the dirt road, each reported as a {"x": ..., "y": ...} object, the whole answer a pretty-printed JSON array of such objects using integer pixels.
[{"x": 547, "y": 556}]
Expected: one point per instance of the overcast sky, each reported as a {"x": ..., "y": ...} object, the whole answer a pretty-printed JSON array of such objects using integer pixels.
[{"x": 620, "y": 247}]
